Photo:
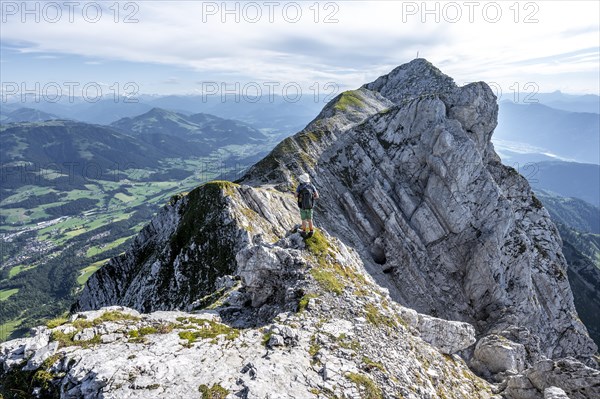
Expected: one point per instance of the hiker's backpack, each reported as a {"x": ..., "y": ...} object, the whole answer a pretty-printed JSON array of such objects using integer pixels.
[{"x": 306, "y": 197}]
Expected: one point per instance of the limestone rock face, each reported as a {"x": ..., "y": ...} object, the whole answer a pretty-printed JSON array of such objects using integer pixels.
[
  {"x": 430, "y": 255},
  {"x": 418, "y": 190}
]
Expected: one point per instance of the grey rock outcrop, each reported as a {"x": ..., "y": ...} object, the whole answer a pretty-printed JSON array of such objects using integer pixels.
[
  {"x": 495, "y": 354},
  {"x": 554, "y": 393},
  {"x": 427, "y": 247},
  {"x": 553, "y": 378}
]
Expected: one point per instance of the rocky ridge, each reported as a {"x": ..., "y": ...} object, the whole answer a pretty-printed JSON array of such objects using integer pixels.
[
  {"x": 418, "y": 215},
  {"x": 305, "y": 352}
]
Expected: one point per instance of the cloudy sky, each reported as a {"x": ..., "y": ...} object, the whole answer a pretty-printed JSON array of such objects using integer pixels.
[{"x": 170, "y": 47}]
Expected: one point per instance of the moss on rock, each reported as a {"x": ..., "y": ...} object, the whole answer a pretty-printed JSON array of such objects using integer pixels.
[{"x": 216, "y": 391}]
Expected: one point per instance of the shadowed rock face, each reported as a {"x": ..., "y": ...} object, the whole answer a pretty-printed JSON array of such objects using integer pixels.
[{"x": 414, "y": 193}]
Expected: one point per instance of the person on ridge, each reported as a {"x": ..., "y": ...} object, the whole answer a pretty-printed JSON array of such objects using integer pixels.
[{"x": 306, "y": 193}]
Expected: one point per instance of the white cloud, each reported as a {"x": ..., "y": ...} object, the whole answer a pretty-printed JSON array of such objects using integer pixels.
[{"x": 369, "y": 39}]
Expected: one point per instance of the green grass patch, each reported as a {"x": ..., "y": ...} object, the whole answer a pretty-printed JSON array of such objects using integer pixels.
[
  {"x": 24, "y": 192},
  {"x": 115, "y": 315},
  {"x": 303, "y": 303},
  {"x": 59, "y": 321},
  {"x": 43, "y": 379},
  {"x": 317, "y": 244},
  {"x": 75, "y": 232},
  {"x": 266, "y": 338},
  {"x": 7, "y": 293},
  {"x": 371, "y": 364},
  {"x": 138, "y": 335},
  {"x": 366, "y": 386},
  {"x": 92, "y": 192},
  {"x": 227, "y": 186},
  {"x": 375, "y": 317},
  {"x": 344, "y": 342},
  {"x": 66, "y": 340},
  {"x": 22, "y": 215},
  {"x": 147, "y": 330},
  {"x": 331, "y": 275},
  {"x": 206, "y": 329},
  {"x": 19, "y": 384},
  {"x": 80, "y": 323},
  {"x": 124, "y": 197},
  {"x": 314, "y": 347},
  {"x": 328, "y": 280}
]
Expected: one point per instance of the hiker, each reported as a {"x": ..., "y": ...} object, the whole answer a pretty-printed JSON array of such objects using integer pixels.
[{"x": 306, "y": 193}]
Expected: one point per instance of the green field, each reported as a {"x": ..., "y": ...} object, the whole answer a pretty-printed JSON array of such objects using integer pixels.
[
  {"x": 95, "y": 250},
  {"x": 7, "y": 328},
  {"x": 18, "y": 269},
  {"x": 88, "y": 271},
  {"x": 5, "y": 294},
  {"x": 25, "y": 192}
]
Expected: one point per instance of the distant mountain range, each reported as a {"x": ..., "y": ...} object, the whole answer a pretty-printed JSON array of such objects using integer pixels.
[
  {"x": 81, "y": 190},
  {"x": 77, "y": 149},
  {"x": 200, "y": 133},
  {"x": 568, "y": 102},
  {"x": 567, "y": 179},
  {"x": 568, "y": 135},
  {"x": 102, "y": 112},
  {"x": 578, "y": 223},
  {"x": 70, "y": 148},
  {"x": 275, "y": 114},
  {"x": 526, "y": 134},
  {"x": 556, "y": 124},
  {"x": 25, "y": 115}
]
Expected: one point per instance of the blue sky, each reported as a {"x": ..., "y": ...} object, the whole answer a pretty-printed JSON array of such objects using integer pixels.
[{"x": 174, "y": 47}]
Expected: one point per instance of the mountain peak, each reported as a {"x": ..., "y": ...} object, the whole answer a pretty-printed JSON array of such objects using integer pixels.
[
  {"x": 414, "y": 79},
  {"x": 408, "y": 85},
  {"x": 159, "y": 112}
]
